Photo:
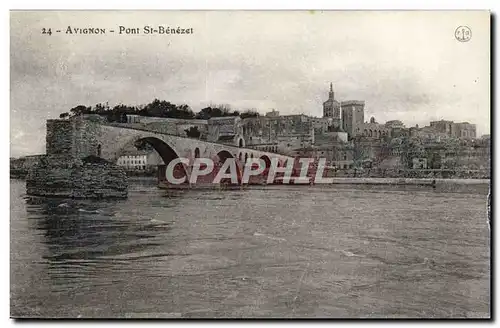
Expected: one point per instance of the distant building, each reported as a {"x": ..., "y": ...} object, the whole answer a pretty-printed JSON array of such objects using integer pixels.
[
  {"x": 226, "y": 130},
  {"x": 133, "y": 118},
  {"x": 321, "y": 124},
  {"x": 443, "y": 126},
  {"x": 429, "y": 134},
  {"x": 133, "y": 160},
  {"x": 331, "y": 107},
  {"x": 338, "y": 156},
  {"x": 394, "y": 124},
  {"x": 273, "y": 113},
  {"x": 397, "y": 129},
  {"x": 419, "y": 163},
  {"x": 353, "y": 117},
  {"x": 374, "y": 130},
  {"x": 465, "y": 130},
  {"x": 287, "y": 142}
]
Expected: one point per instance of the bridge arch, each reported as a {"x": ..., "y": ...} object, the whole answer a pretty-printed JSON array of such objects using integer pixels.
[
  {"x": 167, "y": 154},
  {"x": 223, "y": 155},
  {"x": 266, "y": 160},
  {"x": 241, "y": 142}
]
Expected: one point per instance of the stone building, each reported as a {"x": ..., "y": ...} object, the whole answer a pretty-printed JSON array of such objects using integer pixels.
[
  {"x": 465, "y": 130},
  {"x": 332, "y": 136},
  {"x": 226, "y": 130},
  {"x": 133, "y": 160},
  {"x": 339, "y": 156},
  {"x": 442, "y": 126},
  {"x": 287, "y": 142},
  {"x": 273, "y": 113},
  {"x": 321, "y": 124},
  {"x": 331, "y": 107},
  {"x": 429, "y": 134},
  {"x": 374, "y": 130},
  {"x": 353, "y": 117},
  {"x": 139, "y": 160},
  {"x": 278, "y": 133},
  {"x": 394, "y": 124}
]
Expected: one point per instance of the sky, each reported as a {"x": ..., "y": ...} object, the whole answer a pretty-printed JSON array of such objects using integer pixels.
[{"x": 404, "y": 65}]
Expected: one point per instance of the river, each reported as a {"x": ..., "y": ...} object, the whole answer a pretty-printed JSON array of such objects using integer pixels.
[{"x": 280, "y": 252}]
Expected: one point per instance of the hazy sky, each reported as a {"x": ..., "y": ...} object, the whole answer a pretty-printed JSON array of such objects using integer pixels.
[{"x": 404, "y": 65}]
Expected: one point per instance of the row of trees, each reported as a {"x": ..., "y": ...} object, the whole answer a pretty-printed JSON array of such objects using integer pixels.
[{"x": 157, "y": 108}]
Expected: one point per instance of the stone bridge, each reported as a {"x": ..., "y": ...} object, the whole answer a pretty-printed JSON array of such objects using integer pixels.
[
  {"x": 113, "y": 139},
  {"x": 81, "y": 155}
]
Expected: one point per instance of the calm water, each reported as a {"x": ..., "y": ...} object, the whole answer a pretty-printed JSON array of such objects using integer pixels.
[{"x": 280, "y": 252}]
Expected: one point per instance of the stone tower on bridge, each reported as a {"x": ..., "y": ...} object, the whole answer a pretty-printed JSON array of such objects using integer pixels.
[{"x": 72, "y": 166}]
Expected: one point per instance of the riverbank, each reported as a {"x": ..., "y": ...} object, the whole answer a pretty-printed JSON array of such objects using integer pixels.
[
  {"x": 409, "y": 181},
  {"x": 441, "y": 184}
]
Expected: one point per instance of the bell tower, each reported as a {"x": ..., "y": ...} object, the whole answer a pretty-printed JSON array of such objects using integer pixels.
[{"x": 331, "y": 107}]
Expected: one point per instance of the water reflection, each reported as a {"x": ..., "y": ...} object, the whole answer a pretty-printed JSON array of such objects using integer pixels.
[{"x": 85, "y": 238}]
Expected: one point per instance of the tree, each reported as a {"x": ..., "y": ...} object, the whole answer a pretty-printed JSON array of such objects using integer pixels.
[
  {"x": 215, "y": 111},
  {"x": 80, "y": 110},
  {"x": 360, "y": 151},
  {"x": 162, "y": 108},
  {"x": 249, "y": 113},
  {"x": 434, "y": 160},
  {"x": 411, "y": 148}
]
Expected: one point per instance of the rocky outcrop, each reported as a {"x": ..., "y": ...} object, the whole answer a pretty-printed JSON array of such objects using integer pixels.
[{"x": 90, "y": 177}]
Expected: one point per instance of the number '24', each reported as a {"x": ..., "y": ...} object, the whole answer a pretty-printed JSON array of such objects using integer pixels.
[{"x": 46, "y": 31}]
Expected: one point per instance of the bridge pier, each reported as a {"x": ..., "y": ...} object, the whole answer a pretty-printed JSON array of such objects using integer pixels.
[
  {"x": 72, "y": 167},
  {"x": 90, "y": 177}
]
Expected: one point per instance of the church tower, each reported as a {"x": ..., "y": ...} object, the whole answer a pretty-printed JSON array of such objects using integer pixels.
[{"x": 331, "y": 107}]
